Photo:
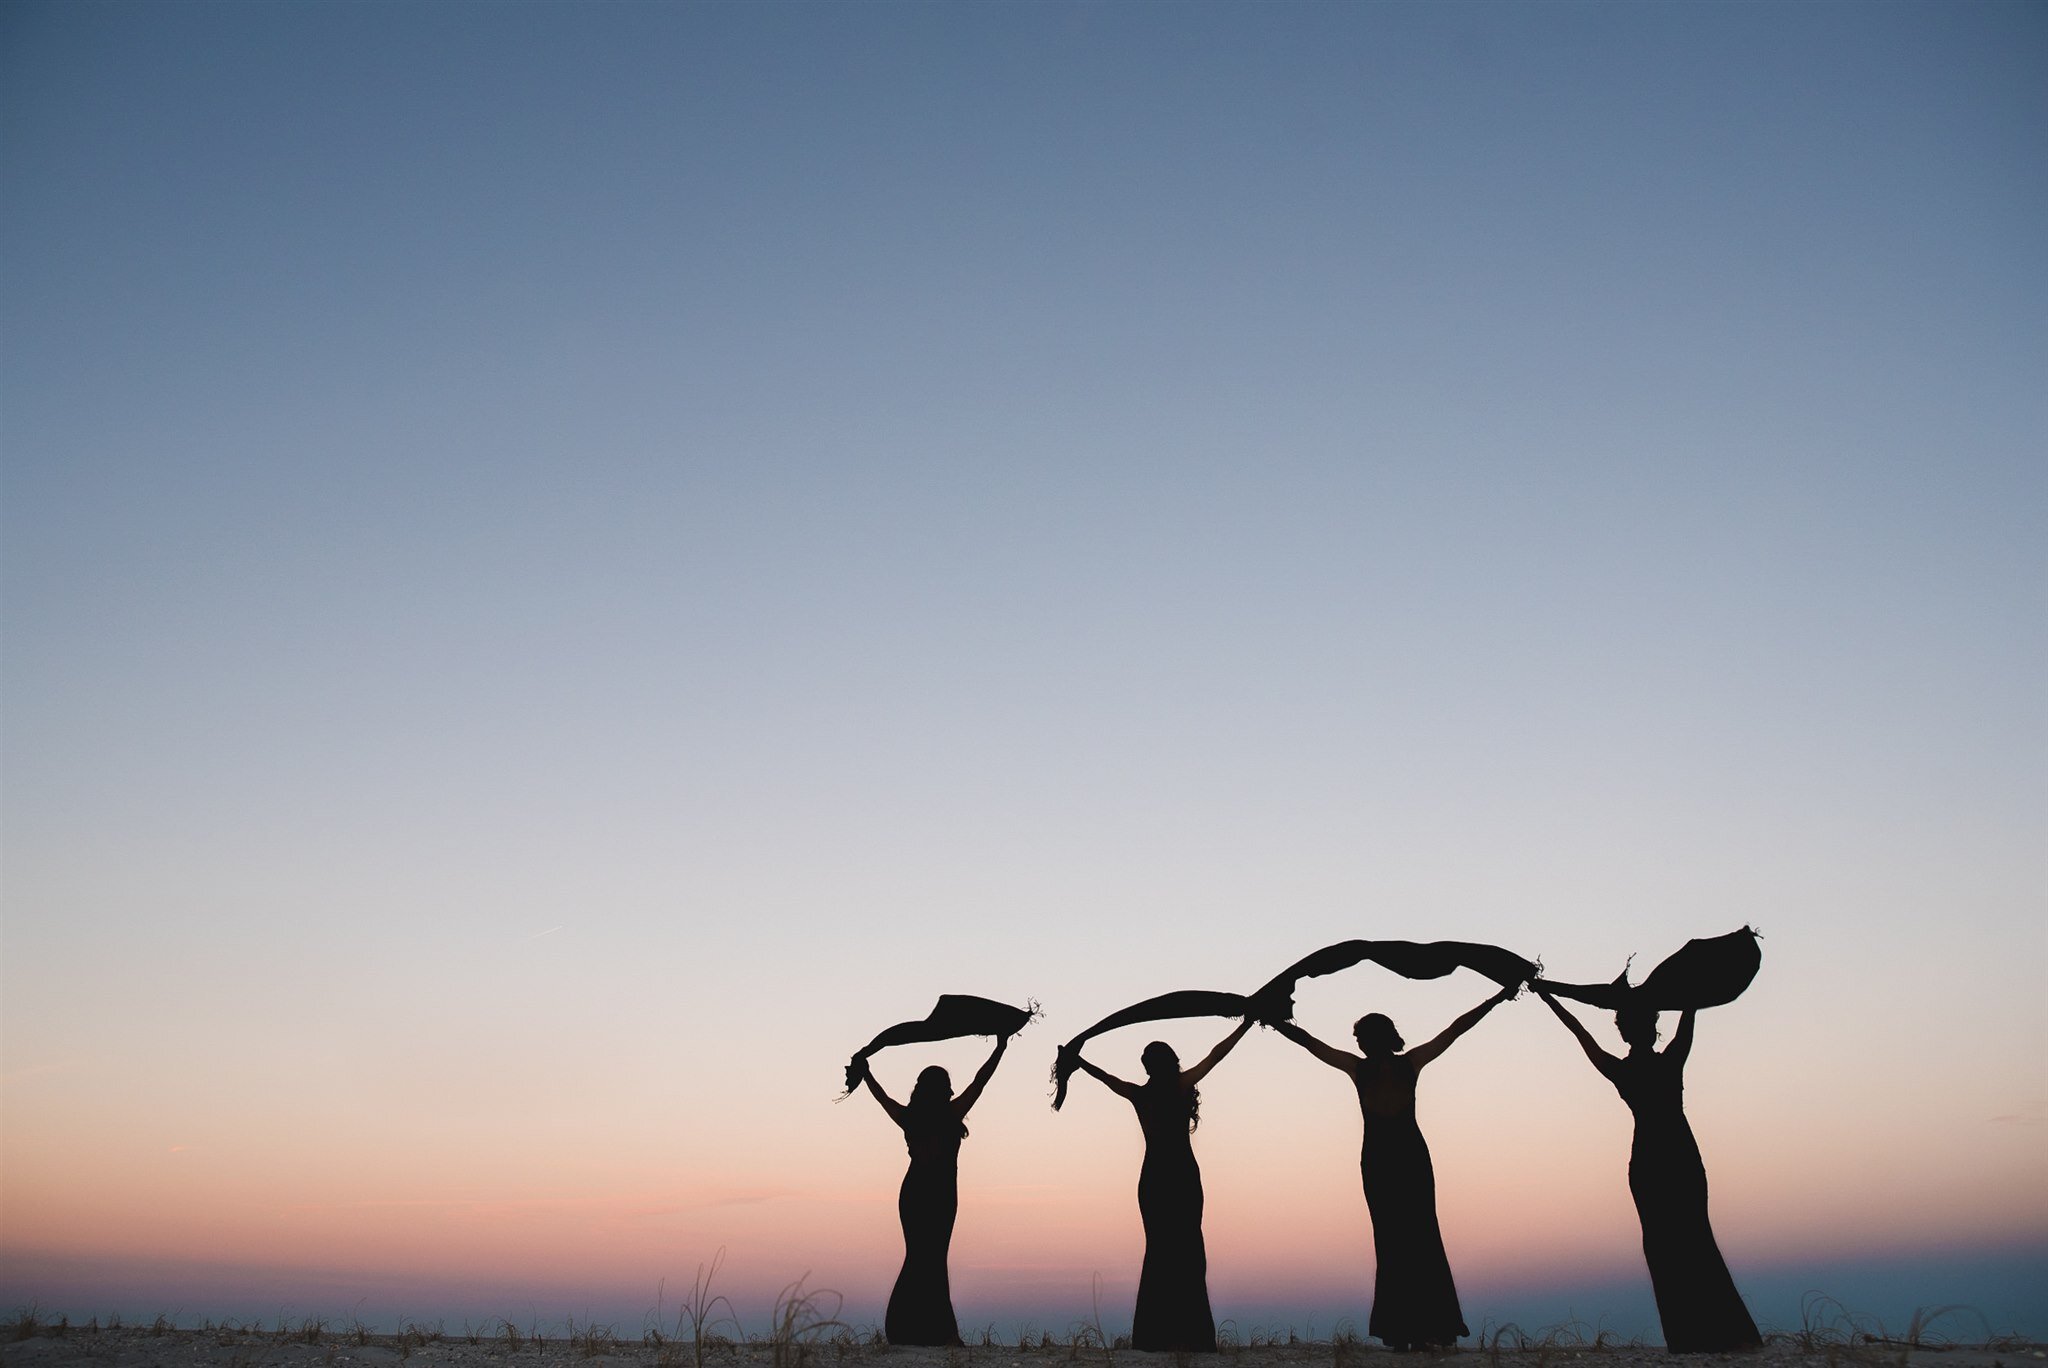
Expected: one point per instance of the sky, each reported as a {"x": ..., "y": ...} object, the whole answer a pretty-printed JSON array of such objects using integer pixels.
[{"x": 562, "y": 565}]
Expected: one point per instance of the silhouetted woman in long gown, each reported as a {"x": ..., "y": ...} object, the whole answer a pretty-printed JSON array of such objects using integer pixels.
[
  {"x": 1696, "y": 1298},
  {"x": 933, "y": 1123},
  {"x": 1414, "y": 1300},
  {"x": 1173, "y": 1286}
]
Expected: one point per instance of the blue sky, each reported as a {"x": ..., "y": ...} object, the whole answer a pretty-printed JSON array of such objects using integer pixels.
[{"x": 813, "y": 507}]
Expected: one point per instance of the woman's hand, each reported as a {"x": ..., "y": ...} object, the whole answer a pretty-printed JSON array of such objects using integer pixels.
[{"x": 1272, "y": 1009}]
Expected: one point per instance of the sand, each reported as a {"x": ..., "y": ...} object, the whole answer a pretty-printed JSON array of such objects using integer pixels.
[{"x": 139, "y": 1347}]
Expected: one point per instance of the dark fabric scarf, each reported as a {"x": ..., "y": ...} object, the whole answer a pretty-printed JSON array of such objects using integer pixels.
[
  {"x": 1275, "y": 1001},
  {"x": 1409, "y": 959},
  {"x": 1191, "y": 1002},
  {"x": 1711, "y": 972},
  {"x": 957, "y": 1014}
]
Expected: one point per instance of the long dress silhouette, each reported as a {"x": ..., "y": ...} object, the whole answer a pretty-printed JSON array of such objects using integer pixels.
[
  {"x": 933, "y": 1124},
  {"x": 1414, "y": 1299},
  {"x": 1173, "y": 1285},
  {"x": 1696, "y": 1298}
]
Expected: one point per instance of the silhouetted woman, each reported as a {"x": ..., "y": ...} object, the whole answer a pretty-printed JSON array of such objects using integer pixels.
[
  {"x": 1173, "y": 1286},
  {"x": 1414, "y": 1300},
  {"x": 934, "y": 1123},
  {"x": 1696, "y": 1299}
]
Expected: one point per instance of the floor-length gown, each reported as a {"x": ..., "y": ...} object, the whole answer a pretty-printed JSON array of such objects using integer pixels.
[
  {"x": 1414, "y": 1301},
  {"x": 921, "y": 1304},
  {"x": 1173, "y": 1286},
  {"x": 1696, "y": 1298}
]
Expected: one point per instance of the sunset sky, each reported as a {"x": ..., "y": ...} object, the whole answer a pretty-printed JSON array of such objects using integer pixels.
[{"x": 562, "y": 565}]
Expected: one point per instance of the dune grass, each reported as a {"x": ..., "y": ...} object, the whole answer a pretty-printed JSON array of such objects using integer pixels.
[{"x": 806, "y": 1323}]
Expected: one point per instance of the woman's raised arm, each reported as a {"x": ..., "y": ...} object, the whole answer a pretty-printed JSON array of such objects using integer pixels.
[
  {"x": 1603, "y": 1061},
  {"x": 1423, "y": 1054},
  {"x": 1215, "y": 1056},
  {"x": 897, "y": 1111},
  {"x": 1329, "y": 1054},
  {"x": 967, "y": 1099},
  {"x": 1108, "y": 1080},
  {"x": 1681, "y": 1040}
]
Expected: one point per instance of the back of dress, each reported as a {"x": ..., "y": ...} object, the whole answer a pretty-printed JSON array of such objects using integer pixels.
[
  {"x": 1386, "y": 1085},
  {"x": 1166, "y": 1115}
]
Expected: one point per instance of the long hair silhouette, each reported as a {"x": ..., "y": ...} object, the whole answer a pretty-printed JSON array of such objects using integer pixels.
[
  {"x": 930, "y": 1108},
  {"x": 1173, "y": 1285},
  {"x": 1165, "y": 1090},
  {"x": 933, "y": 1123}
]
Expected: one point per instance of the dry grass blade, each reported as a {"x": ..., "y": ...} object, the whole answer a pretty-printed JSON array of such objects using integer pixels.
[
  {"x": 1917, "y": 1336},
  {"x": 1344, "y": 1342},
  {"x": 703, "y": 1312},
  {"x": 593, "y": 1339},
  {"x": 1095, "y": 1323},
  {"x": 798, "y": 1317}
]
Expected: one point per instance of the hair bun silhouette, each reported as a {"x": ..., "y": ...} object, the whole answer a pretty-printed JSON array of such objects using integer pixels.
[{"x": 957, "y": 1014}]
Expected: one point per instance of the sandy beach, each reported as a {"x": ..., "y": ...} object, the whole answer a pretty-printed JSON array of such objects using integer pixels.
[{"x": 140, "y": 1347}]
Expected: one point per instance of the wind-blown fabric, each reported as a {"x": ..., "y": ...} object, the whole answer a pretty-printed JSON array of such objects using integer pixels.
[
  {"x": 1409, "y": 959},
  {"x": 1191, "y": 1002},
  {"x": 1275, "y": 1001},
  {"x": 1708, "y": 972},
  {"x": 957, "y": 1014}
]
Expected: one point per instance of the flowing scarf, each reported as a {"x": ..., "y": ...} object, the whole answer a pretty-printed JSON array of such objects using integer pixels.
[
  {"x": 1275, "y": 1001},
  {"x": 1191, "y": 1002},
  {"x": 1709, "y": 972},
  {"x": 957, "y": 1014},
  {"x": 1410, "y": 959}
]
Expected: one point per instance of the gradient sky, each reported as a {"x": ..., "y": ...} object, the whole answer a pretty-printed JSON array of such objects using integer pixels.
[{"x": 565, "y": 564}]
